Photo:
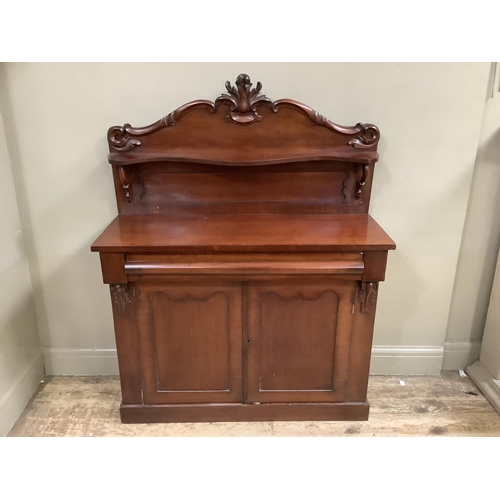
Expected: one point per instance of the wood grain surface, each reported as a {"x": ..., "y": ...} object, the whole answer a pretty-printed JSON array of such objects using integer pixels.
[{"x": 250, "y": 233}]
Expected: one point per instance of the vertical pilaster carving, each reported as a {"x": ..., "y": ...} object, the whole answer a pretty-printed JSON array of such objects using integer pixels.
[
  {"x": 121, "y": 297},
  {"x": 367, "y": 296}
]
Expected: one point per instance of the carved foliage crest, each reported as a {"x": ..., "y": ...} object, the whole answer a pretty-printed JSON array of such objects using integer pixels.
[{"x": 243, "y": 101}]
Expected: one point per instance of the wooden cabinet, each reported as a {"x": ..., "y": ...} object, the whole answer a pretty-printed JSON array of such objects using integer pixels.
[{"x": 243, "y": 265}]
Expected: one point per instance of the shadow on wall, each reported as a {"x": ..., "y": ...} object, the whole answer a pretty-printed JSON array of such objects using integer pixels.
[
  {"x": 18, "y": 329},
  {"x": 69, "y": 316},
  {"x": 73, "y": 319}
]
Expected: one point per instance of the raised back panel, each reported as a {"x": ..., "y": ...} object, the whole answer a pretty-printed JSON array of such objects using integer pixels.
[{"x": 243, "y": 153}]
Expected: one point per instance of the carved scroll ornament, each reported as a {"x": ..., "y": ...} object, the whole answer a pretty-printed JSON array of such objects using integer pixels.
[
  {"x": 243, "y": 102},
  {"x": 367, "y": 136},
  {"x": 122, "y": 139}
]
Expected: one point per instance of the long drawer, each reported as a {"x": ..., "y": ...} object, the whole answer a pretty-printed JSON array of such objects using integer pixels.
[{"x": 350, "y": 264}]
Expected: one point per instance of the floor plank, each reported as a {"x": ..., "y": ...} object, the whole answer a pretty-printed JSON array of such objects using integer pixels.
[{"x": 448, "y": 405}]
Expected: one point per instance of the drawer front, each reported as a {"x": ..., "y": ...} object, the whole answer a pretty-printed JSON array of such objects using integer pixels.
[
  {"x": 298, "y": 341},
  {"x": 245, "y": 265},
  {"x": 190, "y": 342}
]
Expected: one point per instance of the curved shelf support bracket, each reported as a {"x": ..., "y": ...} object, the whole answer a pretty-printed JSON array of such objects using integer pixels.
[
  {"x": 362, "y": 181},
  {"x": 125, "y": 183}
]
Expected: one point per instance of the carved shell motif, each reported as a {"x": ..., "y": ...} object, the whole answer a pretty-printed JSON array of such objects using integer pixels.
[{"x": 243, "y": 100}]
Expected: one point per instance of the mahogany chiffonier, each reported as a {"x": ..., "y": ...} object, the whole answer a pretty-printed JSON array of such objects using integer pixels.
[{"x": 243, "y": 264}]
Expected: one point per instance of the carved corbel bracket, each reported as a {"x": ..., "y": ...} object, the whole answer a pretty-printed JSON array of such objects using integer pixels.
[
  {"x": 362, "y": 181},
  {"x": 367, "y": 296},
  {"x": 121, "y": 297},
  {"x": 243, "y": 100}
]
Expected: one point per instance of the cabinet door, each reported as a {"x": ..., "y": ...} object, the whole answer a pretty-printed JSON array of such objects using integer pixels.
[
  {"x": 298, "y": 341},
  {"x": 191, "y": 342}
]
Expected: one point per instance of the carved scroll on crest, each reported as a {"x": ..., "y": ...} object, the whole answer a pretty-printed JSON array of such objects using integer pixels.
[
  {"x": 119, "y": 138},
  {"x": 121, "y": 297},
  {"x": 367, "y": 296},
  {"x": 123, "y": 139},
  {"x": 368, "y": 136}
]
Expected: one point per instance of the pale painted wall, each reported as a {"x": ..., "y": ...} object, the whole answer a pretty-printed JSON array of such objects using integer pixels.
[
  {"x": 480, "y": 243},
  {"x": 21, "y": 363},
  {"x": 430, "y": 119},
  {"x": 490, "y": 352}
]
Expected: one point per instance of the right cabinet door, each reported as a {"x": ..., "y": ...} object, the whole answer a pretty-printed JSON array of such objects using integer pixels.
[{"x": 298, "y": 341}]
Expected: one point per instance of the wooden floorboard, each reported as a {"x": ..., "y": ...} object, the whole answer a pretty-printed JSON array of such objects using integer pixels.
[{"x": 448, "y": 405}]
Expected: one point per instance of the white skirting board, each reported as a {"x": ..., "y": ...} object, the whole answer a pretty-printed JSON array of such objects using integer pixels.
[
  {"x": 486, "y": 383},
  {"x": 386, "y": 360},
  {"x": 80, "y": 361},
  {"x": 406, "y": 360},
  {"x": 18, "y": 396},
  {"x": 458, "y": 354}
]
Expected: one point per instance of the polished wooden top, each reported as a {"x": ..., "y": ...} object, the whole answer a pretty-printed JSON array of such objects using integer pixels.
[{"x": 243, "y": 233}]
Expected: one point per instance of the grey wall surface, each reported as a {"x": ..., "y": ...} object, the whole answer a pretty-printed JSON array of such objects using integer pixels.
[{"x": 21, "y": 364}]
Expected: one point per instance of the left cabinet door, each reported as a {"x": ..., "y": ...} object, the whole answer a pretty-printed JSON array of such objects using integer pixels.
[{"x": 190, "y": 339}]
